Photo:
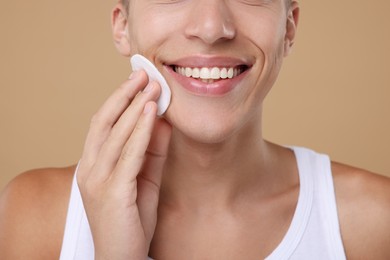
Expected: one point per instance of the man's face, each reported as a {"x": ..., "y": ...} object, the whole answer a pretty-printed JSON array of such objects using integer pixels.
[{"x": 236, "y": 46}]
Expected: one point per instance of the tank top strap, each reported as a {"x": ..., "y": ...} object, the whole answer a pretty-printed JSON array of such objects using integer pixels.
[
  {"x": 314, "y": 232},
  {"x": 303, "y": 209},
  {"x": 326, "y": 207}
]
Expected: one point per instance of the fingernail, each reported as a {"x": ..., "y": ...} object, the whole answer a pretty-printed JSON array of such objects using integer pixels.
[
  {"x": 133, "y": 75},
  {"x": 147, "y": 108},
  {"x": 148, "y": 88}
]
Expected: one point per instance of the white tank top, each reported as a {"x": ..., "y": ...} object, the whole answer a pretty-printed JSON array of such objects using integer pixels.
[{"x": 314, "y": 232}]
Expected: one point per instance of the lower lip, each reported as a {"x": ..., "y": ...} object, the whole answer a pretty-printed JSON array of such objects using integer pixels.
[{"x": 200, "y": 88}]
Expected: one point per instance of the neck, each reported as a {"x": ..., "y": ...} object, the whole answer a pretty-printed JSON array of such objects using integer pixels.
[{"x": 210, "y": 176}]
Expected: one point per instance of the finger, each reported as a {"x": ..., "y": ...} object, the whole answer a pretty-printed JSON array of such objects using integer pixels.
[
  {"x": 157, "y": 152},
  {"x": 112, "y": 149},
  {"x": 110, "y": 112},
  {"x": 103, "y": 120},
  {"x": 149, "y": 180},
  {"x": 133, "y": 154}
]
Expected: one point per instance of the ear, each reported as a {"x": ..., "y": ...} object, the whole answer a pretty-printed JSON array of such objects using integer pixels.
[
  {"x": 119, "y": 24},
  {"x": 291, "y": 27}
]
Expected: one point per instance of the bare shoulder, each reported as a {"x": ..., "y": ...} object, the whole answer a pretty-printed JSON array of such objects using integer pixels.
[
  {"x": 364, "y": 210},
  {"x": 33, "y": 210}
]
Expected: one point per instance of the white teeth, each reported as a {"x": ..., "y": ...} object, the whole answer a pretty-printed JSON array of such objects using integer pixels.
[
  {"x": 230, "y": 73},
  {"x": 204, "y": 73},
  {"x": 188, "y": 72},
  {"x": 195, "y": 73},
  {"x": 208, "y": 75},
  {"x": 224, "y": 73},
  {"x": 215, "y": 73}
]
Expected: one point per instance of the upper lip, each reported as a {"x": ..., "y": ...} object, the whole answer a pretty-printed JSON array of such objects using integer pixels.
[{"x": 200, "y": 61}]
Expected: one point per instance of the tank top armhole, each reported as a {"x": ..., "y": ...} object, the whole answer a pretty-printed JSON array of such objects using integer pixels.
[
  {"x": 77, "y": 241},
  {"x": 73, "y": 222}
]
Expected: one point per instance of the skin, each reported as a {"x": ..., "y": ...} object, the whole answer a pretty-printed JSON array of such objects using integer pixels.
[{"x": 203, "y": 177}]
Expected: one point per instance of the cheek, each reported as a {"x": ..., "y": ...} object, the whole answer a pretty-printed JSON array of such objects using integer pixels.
[
  {"x": 151, "y": 29},
  {"x": 264, "y": 27},
  {"x": 268, "y": 40}
]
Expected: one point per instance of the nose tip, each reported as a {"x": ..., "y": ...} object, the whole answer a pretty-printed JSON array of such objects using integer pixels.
[{"x": 211, "y": 23}]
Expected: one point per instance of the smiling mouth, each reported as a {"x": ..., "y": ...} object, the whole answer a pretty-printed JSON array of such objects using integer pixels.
[{"x": 210, "y": 75}]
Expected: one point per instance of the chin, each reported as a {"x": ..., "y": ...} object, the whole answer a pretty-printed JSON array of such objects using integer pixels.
[{"x": 205, "y": 127}]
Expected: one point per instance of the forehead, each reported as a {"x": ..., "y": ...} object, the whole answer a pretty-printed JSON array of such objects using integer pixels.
[{"x": 126, "y": 3}]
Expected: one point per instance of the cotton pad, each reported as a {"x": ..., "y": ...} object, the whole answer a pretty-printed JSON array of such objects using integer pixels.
[{"x": 139, "y": 62}]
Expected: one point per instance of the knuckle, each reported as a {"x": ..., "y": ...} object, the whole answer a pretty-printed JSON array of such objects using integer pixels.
[
  {"x": 80, "y": 178},
  {"x": 127, "y": 154},
  {"x": 123, "y": 87},
  {"x": 87, "y": 185},
  {"x": 138, "y": 128},
  {"x": 82, "y": 173},
  {"x": 89, "y": 189},
  {"x": 95, "y": 119},
  {"x": 130, "y": 153},
  {"x": 129, "y": 91}
]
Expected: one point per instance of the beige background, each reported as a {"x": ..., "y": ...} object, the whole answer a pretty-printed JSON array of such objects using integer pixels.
[{"x": 58, "y": 63}]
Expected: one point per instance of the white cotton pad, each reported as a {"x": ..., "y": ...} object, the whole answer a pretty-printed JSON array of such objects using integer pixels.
[{"x": 139, "y": 62}]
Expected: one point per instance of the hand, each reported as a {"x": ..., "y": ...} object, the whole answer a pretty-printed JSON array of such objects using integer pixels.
[{"x": 119, "y": 175}]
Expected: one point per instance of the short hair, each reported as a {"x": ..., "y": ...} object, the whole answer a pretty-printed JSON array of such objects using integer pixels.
[{"x": 125, "y": 3}]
